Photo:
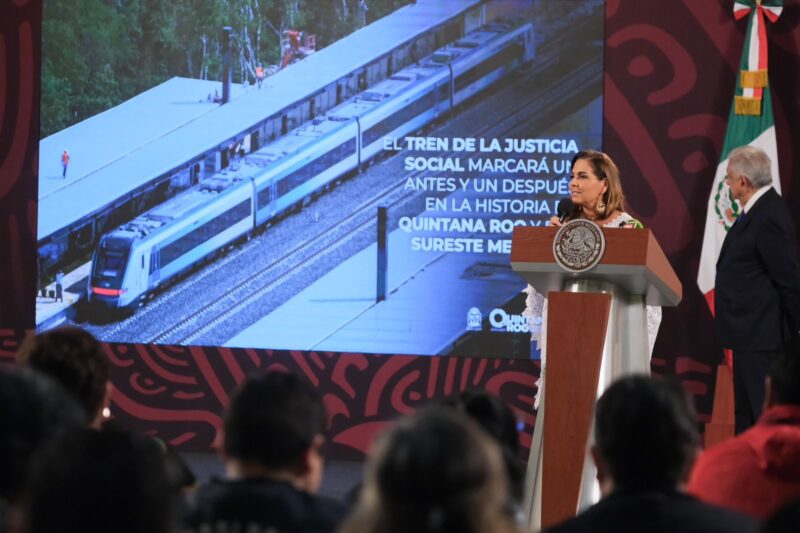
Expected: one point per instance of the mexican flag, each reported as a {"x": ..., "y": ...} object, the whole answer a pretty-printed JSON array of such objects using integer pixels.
[{"x": 750, "y": 122}]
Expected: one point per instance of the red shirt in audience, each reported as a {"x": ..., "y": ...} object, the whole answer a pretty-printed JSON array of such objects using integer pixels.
[{"x": 757, "y": 471}]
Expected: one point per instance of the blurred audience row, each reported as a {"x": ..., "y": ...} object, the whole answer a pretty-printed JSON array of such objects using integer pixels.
[{"x": 453, "y": 467}]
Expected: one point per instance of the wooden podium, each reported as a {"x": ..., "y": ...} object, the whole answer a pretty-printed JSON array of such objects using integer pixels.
[{"x": 596, "y": 332}]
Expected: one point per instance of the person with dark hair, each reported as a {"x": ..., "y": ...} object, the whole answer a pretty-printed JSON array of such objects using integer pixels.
[
  {"x": 99, "y": 481},
  {"x": 76, "y": 361},
  {"x": 274, "y": 434},
  {"x": 759, "y": 470},
  {"x": 645, "y": 443},
  {"x": 434, "y": 472},
  {"x": 33, "y": 411},
  {"x": 497, "y": 419}
]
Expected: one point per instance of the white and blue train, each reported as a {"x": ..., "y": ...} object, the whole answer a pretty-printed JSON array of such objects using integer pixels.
[{"x": 136, "y": 258}]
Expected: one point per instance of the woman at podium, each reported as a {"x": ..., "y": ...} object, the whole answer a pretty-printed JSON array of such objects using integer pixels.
[{"x": 596, "y": 194}]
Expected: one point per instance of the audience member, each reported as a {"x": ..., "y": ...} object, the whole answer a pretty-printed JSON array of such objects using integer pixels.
[
  {"x": 434, "y": 472},
  {"x": 75, "y": 360},
  {"x": 759, "y": 470},
  {"x": 785, "y": 520},
  {"x": 98, "y": 482},
  {"x": 497, "y": 419},
  {"x": 273, "y": 460},
  {"x": 34, "y": 411},
  {"x": 645, "y": 443}
]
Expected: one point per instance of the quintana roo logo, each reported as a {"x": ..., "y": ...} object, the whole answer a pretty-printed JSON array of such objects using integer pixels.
[
  {"x": 579, "y": 245},
  {"x": 725, "y": 206}
]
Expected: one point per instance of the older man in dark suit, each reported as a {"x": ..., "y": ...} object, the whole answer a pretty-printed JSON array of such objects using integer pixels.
[{"x": 757, "y": 289}]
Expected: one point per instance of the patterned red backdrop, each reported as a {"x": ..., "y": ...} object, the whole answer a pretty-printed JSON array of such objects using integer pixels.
[
  {"x": 670, "y": 70},
  {"x": 669, "y": 79}
]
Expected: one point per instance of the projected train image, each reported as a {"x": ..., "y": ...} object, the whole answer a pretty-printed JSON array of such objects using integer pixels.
[{"x": 133, "y": 261}]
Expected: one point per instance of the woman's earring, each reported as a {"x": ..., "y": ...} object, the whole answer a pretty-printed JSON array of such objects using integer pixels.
[{"x": 600, "y": 208}]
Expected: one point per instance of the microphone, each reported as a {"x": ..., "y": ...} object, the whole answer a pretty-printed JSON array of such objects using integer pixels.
[{"x": 564, "y": 209}]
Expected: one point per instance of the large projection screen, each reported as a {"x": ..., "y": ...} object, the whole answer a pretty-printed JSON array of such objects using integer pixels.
[{"x": 250, "y": 214}]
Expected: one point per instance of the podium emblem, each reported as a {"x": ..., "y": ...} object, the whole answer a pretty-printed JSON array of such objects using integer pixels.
[{"x": 579, "y": 245}]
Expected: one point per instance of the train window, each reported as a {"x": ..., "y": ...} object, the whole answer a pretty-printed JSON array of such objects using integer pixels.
[
  {"x": 444, "y": 91},
  {"x": 316, "y": 167},
  {"x": 264, "y": 197},
  {"x": 109, "y": 264},
  {"x": 397, "y": 119},
  {"x": 198, "y": 236},
  {"x": 500, "y": 58},
  {"x": 153, "y": 260}
]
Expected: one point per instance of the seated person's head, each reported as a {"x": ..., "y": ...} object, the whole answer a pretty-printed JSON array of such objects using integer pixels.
[
  {"x": 783, "y": 377},
  {"x": 434, "y": 471},
  {"x": 275, "y": 428},
  {"x": 645, "y": 435},
  {"x": 99, "y": 481},
  {"x": 73, "y": 358},
  {"x": 33, "y": 411},
  {"x": 497, "y": 419}
]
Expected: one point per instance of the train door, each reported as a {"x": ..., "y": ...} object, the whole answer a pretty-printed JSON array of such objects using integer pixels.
[
  {"x": 138, "y": 283},
  {"x": 273, "y": 194},
  {"x": 359, "y": 141},
  {"x": 153, "y": 268},
  {"x": 253, "y": 206}
]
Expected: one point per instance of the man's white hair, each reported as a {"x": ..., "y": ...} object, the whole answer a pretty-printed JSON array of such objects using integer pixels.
[{"x": 752, "y": 163}]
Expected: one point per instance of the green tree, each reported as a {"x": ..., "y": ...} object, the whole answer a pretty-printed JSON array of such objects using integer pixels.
[{"x": 99, "y": 53}]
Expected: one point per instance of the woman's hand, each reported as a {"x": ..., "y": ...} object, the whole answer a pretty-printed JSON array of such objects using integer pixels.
[{"x": 555, "y": 221}]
